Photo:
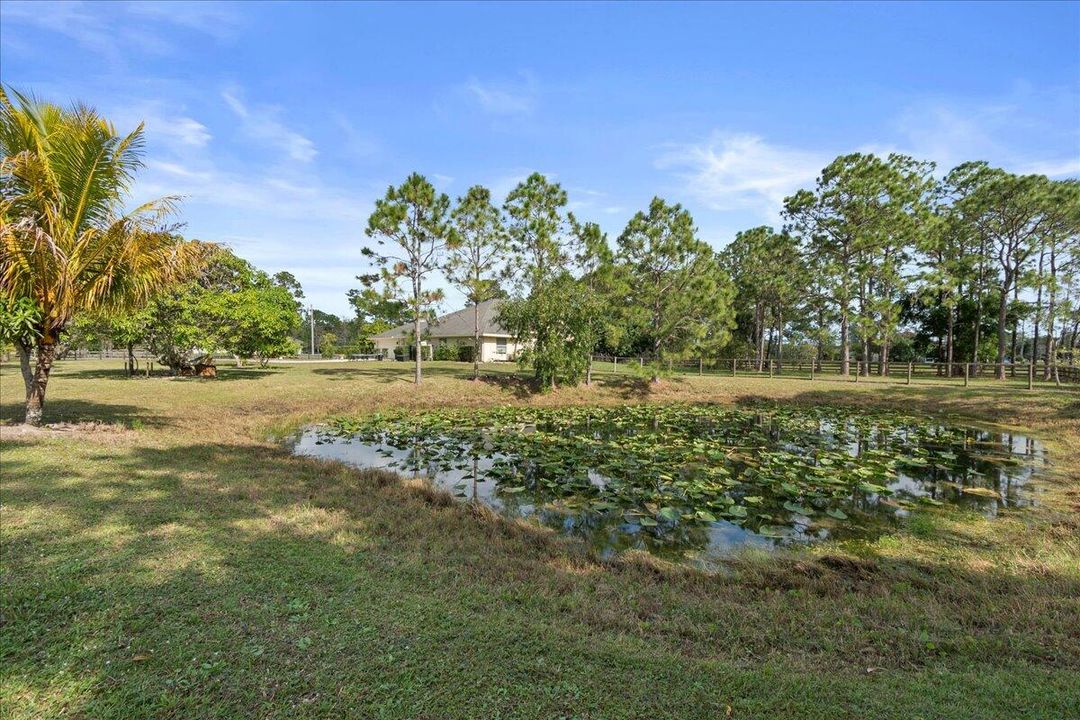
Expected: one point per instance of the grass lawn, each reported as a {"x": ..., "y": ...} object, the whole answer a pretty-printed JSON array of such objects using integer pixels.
[{"x": 172, "y": 560}]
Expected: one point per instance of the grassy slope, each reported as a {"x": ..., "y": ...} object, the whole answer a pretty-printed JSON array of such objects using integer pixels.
[{"x": 190, "y": 567}]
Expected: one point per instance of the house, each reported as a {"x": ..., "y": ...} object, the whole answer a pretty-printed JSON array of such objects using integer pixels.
[{"x": 456, "y": 328}]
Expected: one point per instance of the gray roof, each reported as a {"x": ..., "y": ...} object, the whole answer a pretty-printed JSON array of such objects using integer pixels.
[{"x": 455, "y": 324}]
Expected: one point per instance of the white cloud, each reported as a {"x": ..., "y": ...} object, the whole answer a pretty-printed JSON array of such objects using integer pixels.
[
  {"x": 1005, "y": 132},
  {"x": 261, "y": 123},
  {"x": 215, "y": 19},
  {"x": 503, "y": 98},
  {"x": 115, "y": 31},
  {"x": 732, "y": 171},
  {"x": 184, "y": 129},
  {"x": 1052, "y": 168}
]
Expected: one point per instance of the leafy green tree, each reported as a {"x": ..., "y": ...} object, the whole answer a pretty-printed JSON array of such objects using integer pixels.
[
  {"x": 256, "y": 322},
  {"x": 676, "y": 286},
  {"x": 560, "y": 319},
  {"x": 413, "y": 218},
  {"x": 287, "y": 280},
  {"x": 230, "y": 306},
  {"x": 328, "y": 344},
  {"x": 477, "y": 259},
  {"x": 376, "y": 310},
  {"x": 67, "y": 243}
]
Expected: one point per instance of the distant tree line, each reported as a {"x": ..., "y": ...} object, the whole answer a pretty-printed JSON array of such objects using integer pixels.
[{"x": 879, "y": 261}]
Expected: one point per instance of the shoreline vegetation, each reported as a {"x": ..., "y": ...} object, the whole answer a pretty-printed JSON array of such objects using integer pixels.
[{"x": 164, "y": 555}]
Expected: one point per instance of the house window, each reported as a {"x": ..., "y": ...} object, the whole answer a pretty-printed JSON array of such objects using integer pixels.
[{"x": 500, "y": 346}]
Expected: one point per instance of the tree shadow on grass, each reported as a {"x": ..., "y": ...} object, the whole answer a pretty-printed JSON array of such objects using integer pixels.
[
  {"x": 381, "y": 374},
  {"x": 522, "y": 388},
  {"x": 227, "y": 373},
  {"x": 81, "y": 411},
  {"x": 630, "y": 387}
]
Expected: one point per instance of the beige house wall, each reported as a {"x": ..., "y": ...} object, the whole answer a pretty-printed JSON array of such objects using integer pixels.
[{"x": 492, "y": 349}]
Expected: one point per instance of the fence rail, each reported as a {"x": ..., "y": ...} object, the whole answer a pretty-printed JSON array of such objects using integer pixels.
[{"x": 903, "y": 372}]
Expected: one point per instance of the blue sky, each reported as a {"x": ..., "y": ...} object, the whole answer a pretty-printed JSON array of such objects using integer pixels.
[{"x": 282, "y": 123}]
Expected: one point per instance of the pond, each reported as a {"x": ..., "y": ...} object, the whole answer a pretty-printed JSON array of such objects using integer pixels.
[{"x": 690, "y": 482}]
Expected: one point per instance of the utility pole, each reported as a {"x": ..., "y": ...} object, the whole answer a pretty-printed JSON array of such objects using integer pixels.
[{"x": 311, "y": 321}]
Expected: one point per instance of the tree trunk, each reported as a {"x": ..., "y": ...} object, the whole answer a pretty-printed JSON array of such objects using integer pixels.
[
  {"x": 656, "y": 362},
  {"x": 819, "y": 350},
  {"x": 1015, "y": 325},
  {"x": 131, "y": 359},
  {"x": 35, "y": 400},
  {"x": 1051, "y": 309},
  {"x": 1038, "y": 308},
  {"x": 779, "y": 342},
  {"x": 759, "y": 331},
  {"x": 588, "y": 371},
  {"x": 1072, "y": 342},
  {"x": 845, "y": 344},
  {"x": 769, "y": 344},
  {"x": 979, "y": 307},
  {"x": 23, "y": 349},
  {"x": 949, "y": 342},
  {"x": 476, "y": 342},
  {"x": 1003, "y": 312},
  {"x": 417, "y": 348}
]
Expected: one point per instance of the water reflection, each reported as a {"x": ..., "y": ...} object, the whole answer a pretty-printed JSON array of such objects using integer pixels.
[{"x": 976, "y": 469}]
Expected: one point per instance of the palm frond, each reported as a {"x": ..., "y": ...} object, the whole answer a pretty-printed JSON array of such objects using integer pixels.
[{"x": 65, "y": 241}]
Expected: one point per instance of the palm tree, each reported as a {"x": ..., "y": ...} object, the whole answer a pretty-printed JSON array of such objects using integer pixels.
[{"x": 66, "y": 243}]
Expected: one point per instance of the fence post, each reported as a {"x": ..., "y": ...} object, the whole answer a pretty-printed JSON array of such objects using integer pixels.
[
  {"x": 967, "y": 370},
  {"x": 1031, "y": 375},
  {"x": 733, "y": 361},
  {"x": 769, "y": 361},
  {"x": 616, "y": 364},
  {"x": 909, "y": 372},
  {"x": 812, "y": 363},
  {"x": 640, "y": 362}
]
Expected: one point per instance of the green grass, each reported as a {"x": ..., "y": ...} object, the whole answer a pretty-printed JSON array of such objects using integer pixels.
[{"x": 163, "y": 556}]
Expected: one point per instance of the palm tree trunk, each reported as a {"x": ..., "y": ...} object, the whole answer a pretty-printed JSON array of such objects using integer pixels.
[{"x": 35, "y": 399}]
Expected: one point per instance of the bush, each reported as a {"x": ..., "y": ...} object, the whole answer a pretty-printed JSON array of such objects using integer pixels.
[{"x": 450, "y": 351}]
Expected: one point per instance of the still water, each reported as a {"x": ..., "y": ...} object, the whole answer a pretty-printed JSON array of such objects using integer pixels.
[{"x": 691, "y": 482}]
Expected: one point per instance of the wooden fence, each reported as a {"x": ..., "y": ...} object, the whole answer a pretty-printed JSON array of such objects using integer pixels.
[{"x": 902, "y": 372}]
